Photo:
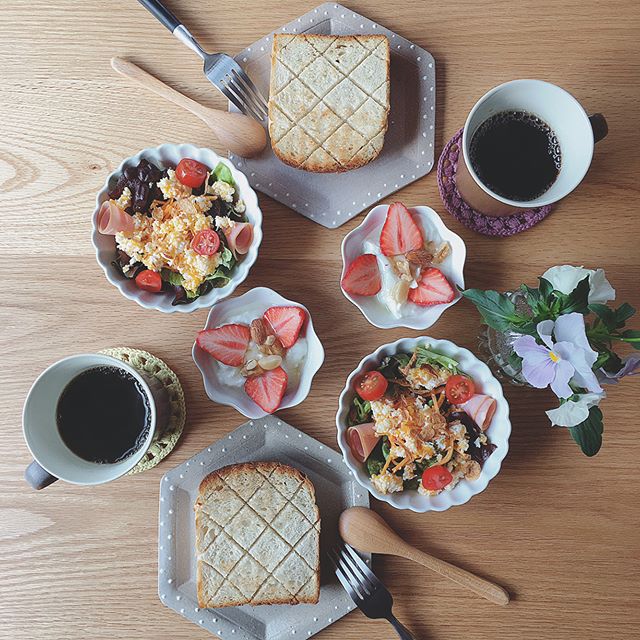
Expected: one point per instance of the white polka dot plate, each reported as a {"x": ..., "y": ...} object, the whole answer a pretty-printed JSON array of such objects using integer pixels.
[
  {"x": 336, "y": 489},
  {"x": 331, "y": 199}
]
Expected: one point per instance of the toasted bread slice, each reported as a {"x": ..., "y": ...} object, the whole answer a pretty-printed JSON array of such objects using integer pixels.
[
  {"x": 257, "y": 537},
  {"x": 329, "y": 100}
]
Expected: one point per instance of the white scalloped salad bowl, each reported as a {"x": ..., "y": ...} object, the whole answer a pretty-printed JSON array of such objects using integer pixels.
[
  {"x": 253, "y": 304},
  {"x": 162, "y": 156},
  {"x": 498, "y": 431},
  {"x": 413, "y": 315}
]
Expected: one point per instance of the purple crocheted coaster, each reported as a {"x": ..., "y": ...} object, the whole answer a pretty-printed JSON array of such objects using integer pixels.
[{"x": 488, "y": 225}]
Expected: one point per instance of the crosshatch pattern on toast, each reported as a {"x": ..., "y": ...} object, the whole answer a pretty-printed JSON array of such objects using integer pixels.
[
  {"x": 257, "y": 536},
  {"x": 329, "y": 100}
]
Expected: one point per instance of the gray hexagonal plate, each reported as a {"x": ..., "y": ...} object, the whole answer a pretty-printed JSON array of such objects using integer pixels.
[
  {"x": 264, "y": 439},
  {"x": 330, "y": 199}
]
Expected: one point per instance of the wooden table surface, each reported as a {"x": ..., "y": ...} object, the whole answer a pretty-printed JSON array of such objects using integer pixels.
[{"x": 559, "y": 530}]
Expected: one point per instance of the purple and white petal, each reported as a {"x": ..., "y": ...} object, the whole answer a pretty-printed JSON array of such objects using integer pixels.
[
  {"x": 600, "y": 289},
  {"x": 545, "y": 330},
  {"x": 560, "y": 383},
  {"x": 572, "y": 413},
  {"x": 630, "y": 367},
  {"x": 584, "y": 376},
  {"x": 570, "y": 328}
]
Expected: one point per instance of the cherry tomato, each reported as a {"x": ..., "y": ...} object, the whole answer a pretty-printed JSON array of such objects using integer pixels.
[
  {"x": 371, "y": 385},
  {"x": 206, "y": 242},
  {"x": 148, "y": 280},
  {"x": 436, "y": 478},
  {"x": 191, "y": 172},
  {"x": 459, "y": 389}
]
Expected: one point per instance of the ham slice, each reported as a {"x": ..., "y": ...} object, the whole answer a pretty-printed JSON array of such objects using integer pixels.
[
  {"x": 240, "y": 237},
  {"x": 362, "y": 439},
  {"x": 480, "y": 408},
  {"x": 112, "y": 219}
]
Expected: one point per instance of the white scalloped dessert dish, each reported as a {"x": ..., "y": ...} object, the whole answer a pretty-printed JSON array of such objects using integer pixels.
[
  {"x": 235, "y": 193},
  {"x": 464, "y": 472},
  {"x": 258, "y": 353},
  {"x": 402, "y": 267}
]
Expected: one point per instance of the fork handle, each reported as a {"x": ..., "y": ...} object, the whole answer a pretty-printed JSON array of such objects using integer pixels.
[
  {"x": 169, "y": 20},
  {"x": 161, "y": 13},
  {"x": 401, "y": 630}
]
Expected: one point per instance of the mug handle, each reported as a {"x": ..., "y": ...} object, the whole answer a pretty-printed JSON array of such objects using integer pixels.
[
  {"x": 37, "y": 477},
  {"x": 599, "y": 126}
]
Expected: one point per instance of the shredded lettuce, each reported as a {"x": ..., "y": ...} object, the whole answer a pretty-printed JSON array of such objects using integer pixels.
[
  {"x": 360, "y": 411},
  {"x": 425, "y": 356}
]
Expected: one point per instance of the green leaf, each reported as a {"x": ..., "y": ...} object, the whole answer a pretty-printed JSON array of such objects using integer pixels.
[
  {"x": 386, "y": 449},
  {"x": 226, "y": 258},
  {"x": 390, "y": 366},
  {"x": 577, "y": 300},
  {"x": 606, "y": 315},
  {"x": 360, "y": 412},
  {"x": 546, "y": 289},
  {"x": 376, "y": 460},
  {"x": 223, "y": 173},
  {"x": 219, "y": 278},
  {"x": 411, "y": 485},
  {"x": 425, "y": 356},
  {"x": 632, "y": 336},
  {"x": 172, "y": 277},
  {"x": 495, "y": 308},
  {"x": 622, "y": 314},
  {"x": 588, "y": 434}
]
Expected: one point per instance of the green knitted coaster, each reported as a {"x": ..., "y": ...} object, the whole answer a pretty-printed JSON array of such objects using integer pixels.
[{"x": 148, "y": 364}]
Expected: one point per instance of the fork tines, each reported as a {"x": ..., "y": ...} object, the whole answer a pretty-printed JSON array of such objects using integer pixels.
[
  {"x": 354, "y": 575},
  {"x": 232, "y": 80}
]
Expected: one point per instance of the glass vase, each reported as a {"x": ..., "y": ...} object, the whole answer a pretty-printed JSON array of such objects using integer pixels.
[{"x": 496, "y": 347}]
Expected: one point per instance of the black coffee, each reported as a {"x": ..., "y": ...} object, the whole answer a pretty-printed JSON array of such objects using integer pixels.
[
  {"x": 103, "y": 415},
  {"x": 516, "y": 155}
]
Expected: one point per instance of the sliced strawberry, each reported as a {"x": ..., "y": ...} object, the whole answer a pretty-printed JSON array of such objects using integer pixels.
[
  {"x": 227, "y": 344},
  {"x": 399, "y": 233},
  {"x": 267, "y": 389},
  {"x": 363, "y": 276},
  {"x": 433, "y": 288},
  {"x": 286, "y": 323}
]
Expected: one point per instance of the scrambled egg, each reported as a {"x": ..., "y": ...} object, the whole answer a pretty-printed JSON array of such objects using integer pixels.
[
  {"x": 125, "y": 198},
  {"x": 223, "y": 190},
  {"x": 427, "y": 377},
  {"x": 387, "y": 482},
  {"x": 163, "y": 240},
  {"x": 411, "y": 423},
  {"x": 171, "y": 187}
]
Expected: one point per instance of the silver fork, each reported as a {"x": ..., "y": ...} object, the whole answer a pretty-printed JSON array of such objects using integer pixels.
[
  {"x": 365, "y": 589},
  {"x": 220, "y": 69}
]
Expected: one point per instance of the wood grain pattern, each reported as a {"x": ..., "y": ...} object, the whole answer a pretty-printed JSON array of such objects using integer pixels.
[{"x": 558, "y": 530}]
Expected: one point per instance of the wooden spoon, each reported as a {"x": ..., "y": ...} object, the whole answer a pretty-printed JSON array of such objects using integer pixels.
[
  {"x": 240, "y": 134},
  {"x": 366, "y": 531}
]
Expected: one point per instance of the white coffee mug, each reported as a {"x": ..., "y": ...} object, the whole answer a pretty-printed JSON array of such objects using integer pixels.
[
  {"x": 53, "y": 460},
  {"x": 575, "y": 130}
]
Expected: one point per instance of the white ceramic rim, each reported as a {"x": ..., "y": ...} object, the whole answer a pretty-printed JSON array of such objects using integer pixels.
[
  {"x": 542, "y": 200},
  {"x": 162, "y": 301},
  {"x": 458, "y": 257},
  {"x": 236, "y": 397},
  {"x": 132, "y": 461},
  {"x": 412, "y": 499}
]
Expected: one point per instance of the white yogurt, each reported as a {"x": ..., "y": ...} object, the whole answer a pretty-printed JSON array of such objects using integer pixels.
[
  {"x": 388, "y": 274},
  {"x": 292, "y": 362}
]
